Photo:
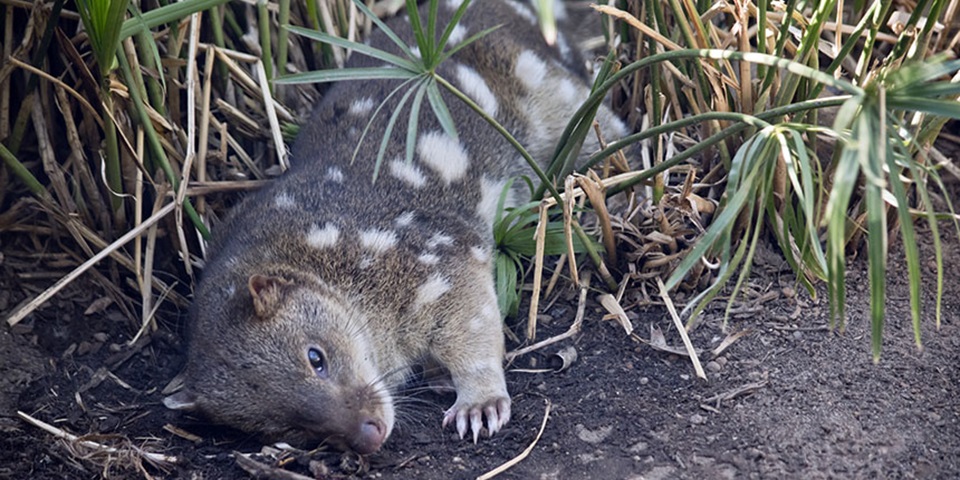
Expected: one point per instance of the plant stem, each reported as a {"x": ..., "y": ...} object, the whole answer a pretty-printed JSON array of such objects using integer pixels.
[{"x": 25, "y": 176}]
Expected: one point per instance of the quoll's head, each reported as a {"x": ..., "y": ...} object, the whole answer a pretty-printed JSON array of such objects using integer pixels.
[{"x": 288, "y": 359}]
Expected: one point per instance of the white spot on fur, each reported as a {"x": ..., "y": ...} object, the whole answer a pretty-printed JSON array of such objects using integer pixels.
[
  {"x": 489, "y": 311},
  {"x": 361, "y": 106},
  {"x": 480, "y": 254},
  {"x": 407, "y": 173},
  {"x": 428, "y": 259},
  {"x": 567, "y": 91},
  {"x": 530, "y": 70},
  {"x": 444, "y": 155},
  {"x": 490, "y": 191},
  {"x": 457, "y": 35},
  {"x": 405, "y": 219},
  {"x": 439, "y": 239},
  {"x": 284, "y": 200},
  {"x": 522, "y": 11},
  {"x": 431, "y": 290},
  {"x": 476, "y": 88},
  {"x": 323, "y": 237},
  {"x": 334, "y": 174},
  {"x": 378, "y": 241}
]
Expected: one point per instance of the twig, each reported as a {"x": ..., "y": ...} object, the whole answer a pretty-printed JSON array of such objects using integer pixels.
[
  {"x": 541, "y": 237},
  {"x": 573, "y": 330},
  {"x": 259, "y": 470},
  {"x": 157, "y": 458},
  {"x": 20, "y": 313},
  {"x": 680, "y": 328},
  {"x": 526, "y": 452},
  {"x": 271, "y": 108}
]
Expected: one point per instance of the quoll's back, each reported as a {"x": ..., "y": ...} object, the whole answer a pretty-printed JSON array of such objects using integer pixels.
[{"x": 325, "y": 288}]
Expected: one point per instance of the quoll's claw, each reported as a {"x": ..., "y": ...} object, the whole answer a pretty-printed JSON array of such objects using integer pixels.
[{"x": 496, "y": 411}]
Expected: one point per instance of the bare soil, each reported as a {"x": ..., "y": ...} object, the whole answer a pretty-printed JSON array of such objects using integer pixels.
[{"x": 790, "y": 399}]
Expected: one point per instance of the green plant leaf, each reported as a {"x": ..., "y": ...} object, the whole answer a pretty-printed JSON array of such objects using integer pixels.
[
  {"x": 367, "y": 50},
  {"x": 439, "y": 108},
  {"x": 414, "y": 120},
  {"x": 102, "y": 20},
  {"x": 385, "y": 29},
  {"x": 338, "y": 75},
  {"x": 172, "y": 12}
]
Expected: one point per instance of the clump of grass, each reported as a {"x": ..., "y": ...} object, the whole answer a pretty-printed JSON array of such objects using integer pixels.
[
  {"x": 732, "y": 148},
  {"x": 775, "y": 181}
]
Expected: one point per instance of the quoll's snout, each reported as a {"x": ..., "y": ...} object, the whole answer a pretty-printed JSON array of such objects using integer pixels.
[{"x": 372, "y": 434}]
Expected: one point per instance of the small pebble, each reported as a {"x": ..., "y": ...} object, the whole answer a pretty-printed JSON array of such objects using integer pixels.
[
  {"x": 698, "y": 419},
  {"x": 798, "y": 335},
  {"x": 788, "y": 292},
  {"x": 713, "y": 366},
  {"x": 644, "y": 380},
  {"x": 722, "y": 361}
]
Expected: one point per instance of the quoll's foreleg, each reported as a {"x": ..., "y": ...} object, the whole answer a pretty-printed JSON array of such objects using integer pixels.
[{"x": 473, "y": 353}]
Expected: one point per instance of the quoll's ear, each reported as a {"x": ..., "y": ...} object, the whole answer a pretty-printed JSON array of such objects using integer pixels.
[
  {"x": 184, "y": 400},
  {"x": 267, "y": 292}
]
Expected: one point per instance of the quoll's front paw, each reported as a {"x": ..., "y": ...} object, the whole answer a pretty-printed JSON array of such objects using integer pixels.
[{"x": 495, "y": 409}]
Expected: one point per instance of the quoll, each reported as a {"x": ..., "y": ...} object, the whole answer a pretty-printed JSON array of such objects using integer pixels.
[{"x": 325, "y": 288}]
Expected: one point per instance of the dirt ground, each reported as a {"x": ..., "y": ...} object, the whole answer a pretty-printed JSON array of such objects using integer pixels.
[{"x": 790, "y": 399}]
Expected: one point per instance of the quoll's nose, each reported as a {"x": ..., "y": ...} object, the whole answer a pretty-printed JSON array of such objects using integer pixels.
[{"x": 372, "y": 434}]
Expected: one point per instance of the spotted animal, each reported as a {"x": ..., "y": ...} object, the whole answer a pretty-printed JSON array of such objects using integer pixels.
[{"x": 325, "y": 288}]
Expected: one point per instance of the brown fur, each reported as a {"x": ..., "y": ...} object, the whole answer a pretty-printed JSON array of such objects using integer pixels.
[{"x": 269, "y": 295}]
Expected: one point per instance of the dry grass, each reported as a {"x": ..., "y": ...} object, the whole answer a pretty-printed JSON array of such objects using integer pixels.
[{"x": 199, "y": 121}]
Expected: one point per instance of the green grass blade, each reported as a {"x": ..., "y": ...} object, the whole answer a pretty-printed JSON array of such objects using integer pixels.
[
  {"x": 339, "y": 75},
  {"x": 23, "y": 173},
  {"x": 722, "y": 223},
  {"x": 102, "y": 20},
  {"x": 388, "y": 132},
  {"x": 943, "y": 108},
  {"x": 505, "y": 274},
  {"x": 423, "y": 43},
  {"x": 907, "y": 231},
  {"x": 463, "y": 43},
  {"x": 866, "y": 131},
  {"x": 385, "y": 29},
  {"x": 357, "y": 47},
  {"x": 172, "y": 12},
  {"x": 414, "y": 121},
  {"x": 844, "y": 180},
  {"x": 431, "y": 33},
  {"x": 376, "y": 112},
  {"x": 454, "y": 21},
  {"x": 440, "y": 110}
]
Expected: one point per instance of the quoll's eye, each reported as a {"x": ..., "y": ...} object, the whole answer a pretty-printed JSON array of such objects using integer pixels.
[{"x": 316, "y": 361}]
